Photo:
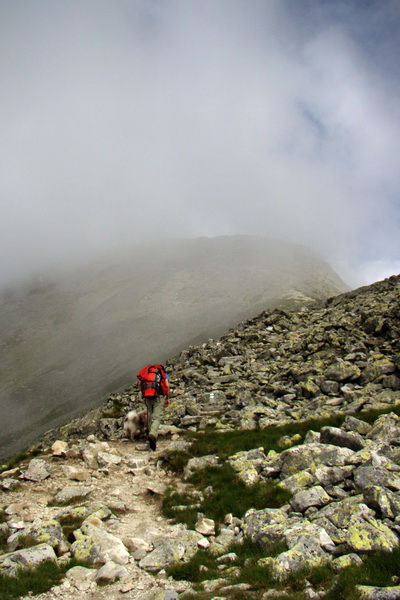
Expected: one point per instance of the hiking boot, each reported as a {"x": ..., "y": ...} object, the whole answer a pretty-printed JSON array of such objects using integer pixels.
[{"x": 152, "y": 442}]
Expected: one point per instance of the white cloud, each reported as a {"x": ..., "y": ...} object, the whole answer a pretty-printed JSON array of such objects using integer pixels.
[{"x": 201, "y": 118}]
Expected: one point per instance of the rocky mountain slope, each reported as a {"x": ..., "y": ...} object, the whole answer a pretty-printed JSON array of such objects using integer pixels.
[
  {"x": 68, "y": 340},
  {"x": 337, "y": 356}
]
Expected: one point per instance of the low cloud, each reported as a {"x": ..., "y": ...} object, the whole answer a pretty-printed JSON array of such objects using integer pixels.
[{"x": 133, "y": 120}]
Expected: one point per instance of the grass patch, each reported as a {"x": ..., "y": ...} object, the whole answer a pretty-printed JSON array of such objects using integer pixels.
[
  {"x": 223, "y": 493},
  {"x": 36, "y": 580},
  {"x": 204, "y": 566},
  {"x": 18, "y": 458},
  {"x": 377, "y": 570},
  {"x": 176, "y": 461},
  {"x": 224, "y": 444},
  {"x": 180, "y": 507},
  {"x": 69, "y": 523},
  {"x": 116, "y": 410},
  {"x": 231, "y": 495}
]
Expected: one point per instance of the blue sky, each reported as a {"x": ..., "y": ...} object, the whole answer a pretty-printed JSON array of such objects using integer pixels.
[{"x": 271, "y": 117}]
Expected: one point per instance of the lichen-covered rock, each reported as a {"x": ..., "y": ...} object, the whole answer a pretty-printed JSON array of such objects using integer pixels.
[
  {"x": 368, "y": 592},
  {"x": 340, "y": 514},
  {"x": 222, "y": 542},
  {"x": 314, "y": 496},
  {"x": 328, "y": 476},
  {"x": 377, "y": 368},
  {"x": 171, "y": 552},
  {"x": 265, "y": 526},
  {"x": 95, "y": 545},
  {"x": 45, "y": 532},
  {"x": 297, "y": 482},
  {"x": 342, "y": 371},
  {"x": 168, "y": 552},
  {"x": 371, "y": 535},
  {"x": 385, "y": 502},
  {"x": 351, "y": 423},
  {"x": 385, "y": 428},
  {"x": 312, "y": 456},
  {"x": 347, "y": 560},
  {"x": 306, "y": 553},
  {"x": 248, "y": 465},
  {"x": 368, "y": 476}
]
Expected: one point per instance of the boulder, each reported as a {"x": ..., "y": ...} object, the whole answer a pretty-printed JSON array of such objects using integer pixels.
[
  {"x": 37, "y": 470},
  {"x": 28, "y": 557},
  {"x": 339, "y": 437},
  {"x": 370, "y": 535},
  {"x": 314, "y": 496},
  {"x": 71, "y": 494},
  {"x": 342, "y": 371},
  {"x": 95, "y": 545},
  {"x": 312, "y": 456}
]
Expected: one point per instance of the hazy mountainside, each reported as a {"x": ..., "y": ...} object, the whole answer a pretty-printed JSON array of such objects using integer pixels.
[
  {"x": 282, "y": 366},
  {"x": 67, "y": 342}
]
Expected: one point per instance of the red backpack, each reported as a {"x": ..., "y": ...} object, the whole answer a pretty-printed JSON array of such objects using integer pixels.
[{"x": 153, "y": 381}]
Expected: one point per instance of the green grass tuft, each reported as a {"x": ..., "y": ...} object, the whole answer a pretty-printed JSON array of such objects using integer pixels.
[
  {"x": 36, "y": 580},
  {"x": 18, "y": 458},
  {"x": 229, "y": 495}
]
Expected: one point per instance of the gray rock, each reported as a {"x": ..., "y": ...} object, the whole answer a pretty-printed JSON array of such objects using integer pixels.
[
  {"x": 198, "y": 463},
  {"x": 71, "y": 494},
  {"x": 110, "y": 572},
  {"x": 28, "y": 557},
  {"x": 366, "y": 592},
  {"x": 371, "y": 476},
  {"x": 81, "y": 577},
  {"x": 94, "y": 544},
  {"x": 8, "y": 484},
  {"x": 107, "y": 460},
  {"x": 339, "y": 437},
  {"x": 307, "y": 455},
  {"x": 205, "y": 526},
  {"x": 315, "y": 496},
  {"x": 37, "y": 470},
  {"x": 342, "y": 371}
]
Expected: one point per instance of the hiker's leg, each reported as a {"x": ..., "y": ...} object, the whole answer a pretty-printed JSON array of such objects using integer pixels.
[
  {"x": 158, "y": 411},
  {"x": 150, "y": 407}
]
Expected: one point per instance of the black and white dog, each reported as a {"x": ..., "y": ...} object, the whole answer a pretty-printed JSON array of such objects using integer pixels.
[{"x": 136, "y": 424}]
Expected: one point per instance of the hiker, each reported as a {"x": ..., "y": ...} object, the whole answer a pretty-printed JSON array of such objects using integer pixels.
[{"x": 154, "y": 385}]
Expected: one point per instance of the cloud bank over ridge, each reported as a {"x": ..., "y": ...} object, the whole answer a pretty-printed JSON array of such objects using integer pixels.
[{"x": 139, "y": 119}]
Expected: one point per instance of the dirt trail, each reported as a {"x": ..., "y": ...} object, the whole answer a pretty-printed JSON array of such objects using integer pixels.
[{"x": 138, "y": 487}]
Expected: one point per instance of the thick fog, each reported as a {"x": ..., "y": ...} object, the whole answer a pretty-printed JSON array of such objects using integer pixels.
[{"x": 127, "y": 120}]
